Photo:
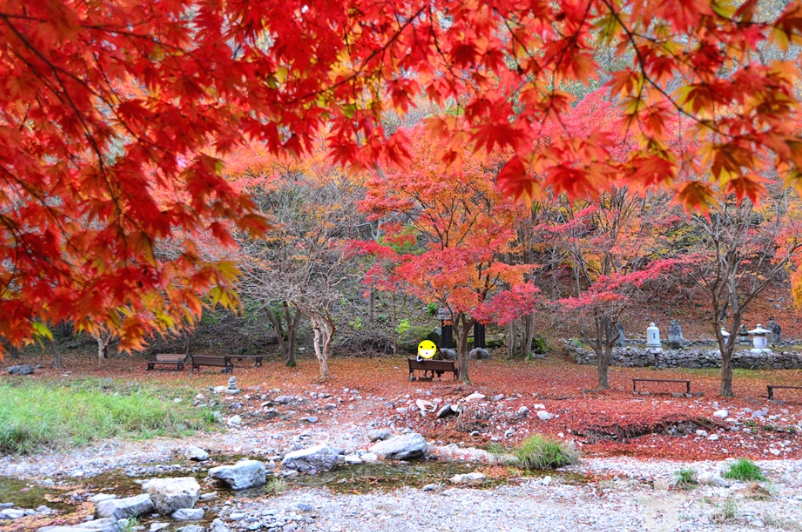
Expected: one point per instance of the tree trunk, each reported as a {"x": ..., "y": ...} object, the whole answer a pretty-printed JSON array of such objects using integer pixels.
[
  {"x": 323, "y": 328},
  {"x": 603, "y": 366},
  {"x": 292, "y": 336},
  {"x": 512, "y": 339},
  {"x": 103, "y": 338},
  {"x": 529, "y": 335},
  {"x": 56, "y": 354},
  {"x": 462, "y": 328},
  {"x": 602, "y": 345},
  {"x": 371, "y": 304}
]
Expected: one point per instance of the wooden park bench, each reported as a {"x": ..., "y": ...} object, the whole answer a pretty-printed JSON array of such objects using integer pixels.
[
  {"x": 430, "y": 367},
  {"x": 636, "y": 381},
  {"x": 210, "y": 360},
  {"x": 179, "y": 359},
  {"x": 772, "y": 387}
]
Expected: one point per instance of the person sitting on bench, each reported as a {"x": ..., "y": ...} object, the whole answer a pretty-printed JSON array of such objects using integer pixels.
[{"x": 426, "y": 350}]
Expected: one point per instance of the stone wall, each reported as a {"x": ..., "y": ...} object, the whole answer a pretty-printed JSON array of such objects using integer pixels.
[{"x": 693, "y": 356}]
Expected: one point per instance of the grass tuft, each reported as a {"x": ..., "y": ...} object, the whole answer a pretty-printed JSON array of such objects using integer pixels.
[
  {"x": 686, "y": 479},
  {"x": 276, "y": 486},
  {"x": 744, "y": 470},
  {"x": 35, "y": 415},
  {"x": 539, "y": 452}
]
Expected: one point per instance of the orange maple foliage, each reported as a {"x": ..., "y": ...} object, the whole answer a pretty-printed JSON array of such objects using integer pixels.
[{"x": 103, "y": 104}]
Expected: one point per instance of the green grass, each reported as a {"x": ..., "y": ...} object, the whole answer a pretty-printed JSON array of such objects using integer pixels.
[
  {"x": 745, "y": 470},
  {"x": 686, "y": 479},
  {"x": 35, "y": 415},
  {"x": 539, "y": 452},
  {"x": 276, "y": 486}
]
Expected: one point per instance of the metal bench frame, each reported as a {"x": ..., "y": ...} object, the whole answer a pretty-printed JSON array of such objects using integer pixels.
[
  {"x": 211, "y": 360},
  {"x": 430, "y": 367},
  {"x": 771, "y": 387}
]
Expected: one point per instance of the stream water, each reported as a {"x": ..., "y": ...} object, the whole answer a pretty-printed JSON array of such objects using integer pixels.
[{"x": 361, "y": 478}]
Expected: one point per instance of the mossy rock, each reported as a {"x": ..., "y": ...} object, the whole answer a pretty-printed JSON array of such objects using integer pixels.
[{"x": 409, "y": 339}]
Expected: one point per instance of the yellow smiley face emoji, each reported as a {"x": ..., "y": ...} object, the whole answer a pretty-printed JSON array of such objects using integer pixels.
[{"x": 427, "y": 349}]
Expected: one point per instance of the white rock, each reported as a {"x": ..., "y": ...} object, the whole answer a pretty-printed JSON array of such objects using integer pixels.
[
  {"x": 317, "y": 458},
  {"x": 713, "y": 479},
  {"x": 468, "y": 479},
  {"x": 244, "y": 474},
  {"x": 97, "y": 525},
  {"x": 721, "y": 414},
  {"x": 402, "y": 447},
  {"x": 188, "y": 514},
  {"x": 234, "y": 421},
  {"x": 701, "y": 433},
  {"x": 475, "y": 396},
  {"x": 425, "y": 406},
  {"x": 171, "y": 494},
  {"x": 11, "y": 513},
  {"x": 713, "y": 437},
  {"x": 543, "y": 415},
  {"x": 122, "y": 508},
  {"x": 195, "y": 453},
  {"x": 370, "y": 457},
  {"x": 100, "y": 497},
  {"x": 353, "y": 459},
  {"x": 539, "y": 407},
  {"x": 218, "y": 526}
]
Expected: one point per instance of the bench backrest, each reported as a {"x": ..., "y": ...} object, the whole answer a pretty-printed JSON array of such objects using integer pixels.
[
  {"x": 207, "y": 360},
  {"x": 170, "y": 357},
  {"x": 447, "y": 365}
]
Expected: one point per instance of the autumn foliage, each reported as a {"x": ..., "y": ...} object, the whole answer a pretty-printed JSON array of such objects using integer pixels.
[{"x": 115, "y": 116}]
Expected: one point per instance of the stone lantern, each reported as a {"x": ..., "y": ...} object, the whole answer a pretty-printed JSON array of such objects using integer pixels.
[
  {"x": 724, "y": 334},
  {"x": 653, "y": 343},
  {"x": 760, "y": 338},
  {"x": 652, "y": 336}
]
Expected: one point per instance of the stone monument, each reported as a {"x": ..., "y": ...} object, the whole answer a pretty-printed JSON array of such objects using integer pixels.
[
  {"x": 775, "y": 332},
  {"x": 620, "y": 341},
  {"x": 743, "y": 336},
  {"x": 675, "y": 334}
]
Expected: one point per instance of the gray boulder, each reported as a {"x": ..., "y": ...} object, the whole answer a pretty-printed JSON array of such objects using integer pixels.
[
  {"x": 379, "y": 434},
  {"x": 242, "y": 475},
  {"x": 98, "y": 525},
  {"x": 449, "y": 354},
  {"x": 480, "y": 353},
  {"x": 11, "y": 513},
  {"x": 188, "y": 514},
  {"x": 171, "y": 494},
  {"x": 122, "y": 508},
  {"x": 402, "y": 447},
  {"x": 24, "y": 369},
  {"x": 195, "y": 453},
  {"x": 311, "y": 460}
]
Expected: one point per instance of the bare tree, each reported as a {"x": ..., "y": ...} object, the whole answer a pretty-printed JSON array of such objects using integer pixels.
[
  {"x": 742, "y": 251},
  {"x": 302, "y": 265}
]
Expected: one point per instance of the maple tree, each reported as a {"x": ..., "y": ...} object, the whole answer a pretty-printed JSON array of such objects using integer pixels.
[
  {"x": 444, "y": 236},
  {"x": 114, "y": 116}
]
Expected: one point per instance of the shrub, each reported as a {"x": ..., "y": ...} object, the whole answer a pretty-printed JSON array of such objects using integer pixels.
[
  {"x": 431, "y": 308},
  {"x": 686, "y": 479},
  {"x": 403, "y": 326},
  {"x": 276, "y": 486},
  {"x": 539, "y": 452},
  {"x": 745, "y": 470}
]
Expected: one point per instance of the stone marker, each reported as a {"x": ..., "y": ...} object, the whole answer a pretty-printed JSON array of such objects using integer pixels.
[
  {"x": 232, "y": 386},
  {"x": 621, "y": 337},
  {"x": 675, "y": 334},
  {"x": 743, "y": 335},
  {"x": 776, "y": 332}
]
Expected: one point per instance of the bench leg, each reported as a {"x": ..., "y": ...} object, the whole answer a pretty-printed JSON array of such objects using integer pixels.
[
  {"x": 180, "y": 366},
  {"x": 771, "y": 392},
  {"x": 150, "y": 366}
]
